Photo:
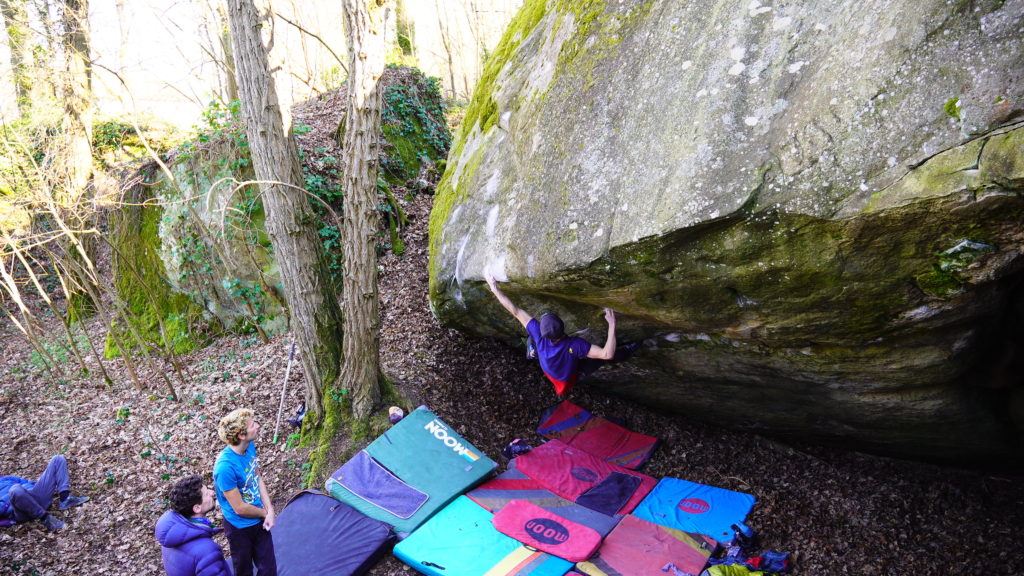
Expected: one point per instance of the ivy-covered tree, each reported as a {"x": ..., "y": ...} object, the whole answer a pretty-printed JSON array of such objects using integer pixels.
[{"x": 312, "y": 303}]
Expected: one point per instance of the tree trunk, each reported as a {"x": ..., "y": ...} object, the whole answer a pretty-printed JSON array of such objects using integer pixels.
[
  {"x": 16, "y": 23},
  {"x": 312, "y": 304},
  {"x": 365, "y": 26},
  {"x": 73, "y": 164},
  {"x": 228, "y": 71},
  {"x": 445, "y": 30},
  {"x": 77, "y": 97},
  {"x": 44, "y": 50}
]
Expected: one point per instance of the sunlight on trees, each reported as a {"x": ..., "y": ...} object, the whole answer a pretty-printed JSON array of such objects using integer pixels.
[{"x": 76, "y": 187}]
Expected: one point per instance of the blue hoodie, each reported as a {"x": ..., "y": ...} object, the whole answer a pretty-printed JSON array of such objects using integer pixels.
[
  {"x": 188, "y": 547},
  {"x": 6, "y": 483}
]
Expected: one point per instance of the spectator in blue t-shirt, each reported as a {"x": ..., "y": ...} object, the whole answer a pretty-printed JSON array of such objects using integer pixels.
[
  {"x": 243, "y": 496},
  {"x": 564, "y": 359}
]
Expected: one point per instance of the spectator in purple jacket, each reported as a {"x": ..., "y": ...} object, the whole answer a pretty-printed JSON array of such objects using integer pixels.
[
  {"x": 22, "y": 500},
  {"x": 185, "y": 533}
]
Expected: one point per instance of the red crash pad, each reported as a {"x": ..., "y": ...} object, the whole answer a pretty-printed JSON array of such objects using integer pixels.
[{"x": 547, "y": 532}]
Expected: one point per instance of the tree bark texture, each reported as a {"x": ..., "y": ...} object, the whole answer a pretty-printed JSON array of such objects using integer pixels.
[
  {"x": 71, "y": 164},
  {"x": 312, "y": 304},
  {"x": 365, "y": 27},
  {"x": 18, "y": 34},
  {"x": 77, "y": 94},
  {"x": 227, "y": 49}
]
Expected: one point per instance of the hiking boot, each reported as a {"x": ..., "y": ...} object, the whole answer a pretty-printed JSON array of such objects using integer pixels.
[
  {"x": 52, "y": 524},
  {"x": 71, "y": 501}
]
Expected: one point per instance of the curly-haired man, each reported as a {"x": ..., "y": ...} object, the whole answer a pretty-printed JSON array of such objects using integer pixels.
[
  {"x": 243, "y": 496},
  {"x": 185, "y": 533}
]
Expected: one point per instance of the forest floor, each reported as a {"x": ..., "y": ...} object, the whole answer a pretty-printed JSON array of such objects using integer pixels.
[{"x": 835, "y": 511}]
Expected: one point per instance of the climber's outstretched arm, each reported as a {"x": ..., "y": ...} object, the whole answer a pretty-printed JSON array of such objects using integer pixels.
[{"x": 520, "y": 314}]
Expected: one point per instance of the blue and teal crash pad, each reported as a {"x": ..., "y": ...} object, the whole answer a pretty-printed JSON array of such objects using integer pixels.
[
  {"x": 410, "y": 472},
  {"x": 462, "y": 541}
]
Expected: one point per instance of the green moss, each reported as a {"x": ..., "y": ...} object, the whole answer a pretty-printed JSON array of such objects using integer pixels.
[
  {"x": 599, "y": 31},
  {"x": 945, "y": 276},
  {"x": 413, "y": 123},
  {"x": 946, "y": 173},
  {"x": 591, "y": 19},
  {"x": 488, "y": 115},
  {"x": 447, "y": 195},
  {"x": 141, "y": 285},
  {"x": 482, "y": 109},
  {"x": 403, "y": 150},
  {"x": 938, "y": 282},
  {"x": 1002, "y": 161},
  {"x": 952, "y": 107},
  {"x": 344, "y": 434},
  {"x": 80, "y": 307}
]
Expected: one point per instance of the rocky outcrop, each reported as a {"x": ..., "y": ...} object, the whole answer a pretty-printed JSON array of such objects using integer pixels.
[
  {"x": 811, "y": 213},
  {"x": 191, "y": 236}
]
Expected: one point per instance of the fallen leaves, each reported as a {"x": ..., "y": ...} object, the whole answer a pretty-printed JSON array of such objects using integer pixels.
[{"x": 836, "y": 511}]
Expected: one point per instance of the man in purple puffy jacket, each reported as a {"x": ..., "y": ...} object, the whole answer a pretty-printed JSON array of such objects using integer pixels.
[{"x": 186, "y": 535}]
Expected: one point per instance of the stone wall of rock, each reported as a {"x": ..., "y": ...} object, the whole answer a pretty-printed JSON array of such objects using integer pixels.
[{"x": 811, "y": 212}]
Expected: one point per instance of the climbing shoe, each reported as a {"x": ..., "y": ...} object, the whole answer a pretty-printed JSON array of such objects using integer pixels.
[
  {"x": 625, "y": 351},
  {"x": 52, "y": 524},
  {"x": 515, "y": 448},
  {"x": 71, "y": 501}
]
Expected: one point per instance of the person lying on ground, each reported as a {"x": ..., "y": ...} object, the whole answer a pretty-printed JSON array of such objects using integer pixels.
[
  {"x": 564, "y": 359},
  {"x": 243, "y": 496},
  {"x": 23, "y": 500},
  {"x": 185, "y": 533}
]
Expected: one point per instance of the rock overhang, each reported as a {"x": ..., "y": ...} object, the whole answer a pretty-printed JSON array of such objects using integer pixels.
[{"x": 770, "y": 163}]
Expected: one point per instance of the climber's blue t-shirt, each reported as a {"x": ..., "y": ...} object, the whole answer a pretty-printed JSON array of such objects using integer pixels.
[
  {"x": 241, "y": 471},
  {"x": 559, "y": 360}
]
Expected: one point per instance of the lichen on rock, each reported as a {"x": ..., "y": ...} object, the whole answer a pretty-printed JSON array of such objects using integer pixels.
[{"x": 778, "y": 187}]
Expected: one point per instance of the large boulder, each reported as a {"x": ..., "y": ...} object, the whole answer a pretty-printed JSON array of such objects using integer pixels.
[{"x": 811, "y": 212}]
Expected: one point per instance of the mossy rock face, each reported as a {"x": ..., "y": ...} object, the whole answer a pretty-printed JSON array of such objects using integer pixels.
[
  {"x": 161, "y": 316},
  {"x": 213, "y": 241},
  {"x": 198, "y": 239},
  {"x": 774, "y": 198},
  {"x": 413, "y": 124}
]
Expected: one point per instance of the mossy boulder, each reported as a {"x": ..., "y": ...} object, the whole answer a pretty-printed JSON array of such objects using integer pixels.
[
  {"x": 193, "y": 231},
  {"x": 161, "y": 316},
  {"x": 779, "y": 200}
]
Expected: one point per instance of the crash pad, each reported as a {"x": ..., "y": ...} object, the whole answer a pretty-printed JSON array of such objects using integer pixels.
[
  {"x": 584, "y": 479},
  {"x": 595, "y": 435},
  {"x": 460, "y": 540},
  {"x": 640, "y": 548},
  {"x": 315, "y": 535},
  {"x": 410, "y": 472},
  {"x": 693, "y": 507}
]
